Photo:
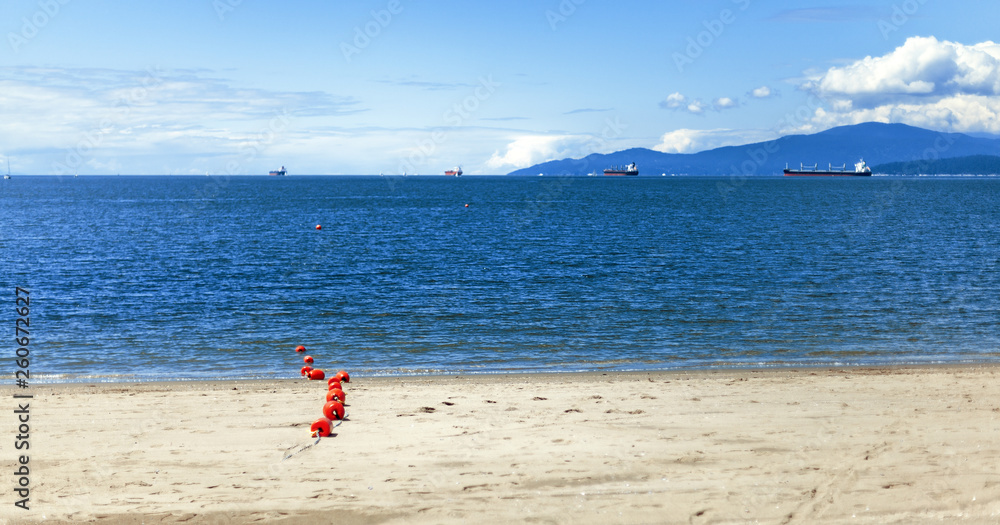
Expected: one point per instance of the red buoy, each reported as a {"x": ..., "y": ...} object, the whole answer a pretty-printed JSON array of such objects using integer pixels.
[
  {"x": 345, "y": 376},
  {"x": 333, "y": 410},
  {"x": 335, "y": 385},
  {"x": 316, "y": 374},
  {"x": 337, "y": 394},
  {"x": 306, "y": 370},
  {"x": 300, "y": 348},
  {"x": 466, "y": 205},
  {"x": 321, "y": 427},
  {"x": 319, "y": 227},
  {"x": 332, "y": 380},
  {"x": 308, "y": 360}
]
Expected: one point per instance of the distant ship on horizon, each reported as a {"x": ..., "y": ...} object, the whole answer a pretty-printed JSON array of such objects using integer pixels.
[
  {"x": 861, "y": 169},
  {"x": 457, "y": 172},
  {"x": 628, "y": 171},
  {"x": 278, "y": 173}
]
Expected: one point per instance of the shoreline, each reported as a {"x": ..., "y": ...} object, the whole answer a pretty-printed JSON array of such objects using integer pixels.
[
  {"x": 523, "y": 373},
  {"x": 892, "y": 444}
]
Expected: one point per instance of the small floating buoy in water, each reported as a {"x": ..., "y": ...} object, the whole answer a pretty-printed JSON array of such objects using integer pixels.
[
  {"x": 333, "y": 410},
  {"x": 306, "y": 370},
  {"x": 466, "y": 205},
  {"x": 319, "y": 227},
  {"x": 321, "y": 427},
  {"x": 300, "y": 348},
  {"x": 308, "y": 360},
  {"x": 316, "y": 375}
]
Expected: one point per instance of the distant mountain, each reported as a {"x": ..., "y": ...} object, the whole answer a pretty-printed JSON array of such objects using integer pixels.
[
  {"x": 875, "y": 142},
  {"x": 971, "y": 165}
]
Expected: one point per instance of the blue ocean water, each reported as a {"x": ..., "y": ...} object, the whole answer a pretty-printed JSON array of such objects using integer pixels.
[{"x": 137, "y": 278}]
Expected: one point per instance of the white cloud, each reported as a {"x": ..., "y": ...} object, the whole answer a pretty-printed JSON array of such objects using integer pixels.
[
  {"x": 761, "y": 92},
  {"x": 724, "y": 103},
  {"x": 533, "y": 149},
  {"x": 679, "y": 102},
  {"x": 696, "y": 106},
  {"x": 67, "y": 119},
  {"x": 925, "y": 82},
  {"x": 695, "y": 140},
  {"x": 674, "y": 101}
]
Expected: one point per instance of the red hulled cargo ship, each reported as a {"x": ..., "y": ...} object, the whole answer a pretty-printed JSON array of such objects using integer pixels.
[
  {"x": 278, "y": 173},
  {"x": 457, "y": 172}
]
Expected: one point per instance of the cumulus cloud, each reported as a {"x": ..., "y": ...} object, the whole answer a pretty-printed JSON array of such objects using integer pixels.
[
  {"x": 724, "y": 103},
  {"x": 674, "y": 101},
  {"x": 529, "y": 150},
  {"x": 924, "y": 82},
  {"x": 695, "y": 140},
  {"x": 679, "y": 102},
  {"x": 761, "y": 92}
]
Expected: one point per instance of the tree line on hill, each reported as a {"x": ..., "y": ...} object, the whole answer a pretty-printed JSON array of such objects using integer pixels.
[{"x": 970, "y": 165}]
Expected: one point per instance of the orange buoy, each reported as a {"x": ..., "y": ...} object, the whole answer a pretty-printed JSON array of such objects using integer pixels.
[
  {"x": 333, "y": 379},
  {"x": 300, "y": 348},
  {"x": 466, "y": 205},
  {"x": 333, "y": 410},
  {"x": 345, "y": 376},
  {"x": 316, "y": 374},
  {"x": 321, "y": 427},
  {"x": 338, "y": 393},
  {"x": 307, "y": 360},
  {"x": 319, "y": 227},
  {"x": 335, "y": 385},
  {"x": 335, "y": 395},
  {"x": 306, "y": 370}
]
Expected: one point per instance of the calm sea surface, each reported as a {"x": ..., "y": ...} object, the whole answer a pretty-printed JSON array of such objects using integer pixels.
[{"x": 137, "y": 278}]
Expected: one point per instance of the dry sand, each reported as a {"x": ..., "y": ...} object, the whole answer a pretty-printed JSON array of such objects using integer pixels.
[{"x": 885, "y": 445}]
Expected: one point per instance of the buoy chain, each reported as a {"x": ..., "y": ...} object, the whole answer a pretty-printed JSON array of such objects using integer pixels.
[
  {"x": 303, "y": 448},
  {"x": 333, "y": 409}
]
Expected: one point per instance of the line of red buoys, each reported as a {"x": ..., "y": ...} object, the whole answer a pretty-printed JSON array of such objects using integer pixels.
[{"x": 333, "y": 409}]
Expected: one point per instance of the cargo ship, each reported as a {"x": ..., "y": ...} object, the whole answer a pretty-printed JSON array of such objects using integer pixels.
[
  {"x": 278, "y": 173},
  {"x": 631, "y": 170},
  {"x": 860, "y": 170},
  {"x": 457, "y": 172}
]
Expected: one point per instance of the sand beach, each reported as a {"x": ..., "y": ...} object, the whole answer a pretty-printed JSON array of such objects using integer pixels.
[{"x": 840, "y": 445}]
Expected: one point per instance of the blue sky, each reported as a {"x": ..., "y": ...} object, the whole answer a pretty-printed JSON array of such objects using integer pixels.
[{"x": 361, "y": 87}]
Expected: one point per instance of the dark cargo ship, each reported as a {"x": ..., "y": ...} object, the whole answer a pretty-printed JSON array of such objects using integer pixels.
[
  {"x": 860, "y": 170},
  {"x": 631, "y": 170},
  {"x": 278, "y": 173}
]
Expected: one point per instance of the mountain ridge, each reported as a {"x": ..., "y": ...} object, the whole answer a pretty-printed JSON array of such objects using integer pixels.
[{"x": 876, "y": 142}]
